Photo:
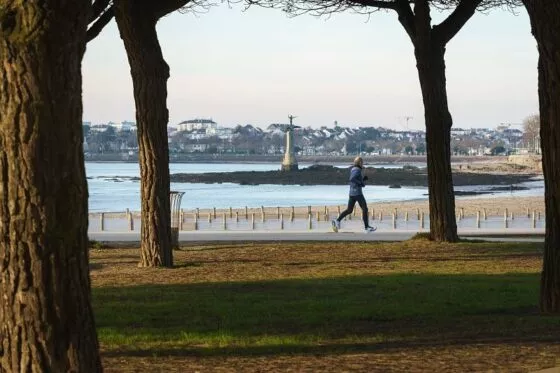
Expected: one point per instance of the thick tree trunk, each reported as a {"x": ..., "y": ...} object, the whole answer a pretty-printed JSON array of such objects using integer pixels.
[
  {"x": 46, "y": 320},
  {"x": 431, "y": 71},
  {"x": 545, "y": 22},
  {"x": 137, "y": 26}
]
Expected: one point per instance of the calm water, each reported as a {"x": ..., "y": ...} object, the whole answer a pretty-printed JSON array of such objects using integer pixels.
[{"x": 111, "y": 190}]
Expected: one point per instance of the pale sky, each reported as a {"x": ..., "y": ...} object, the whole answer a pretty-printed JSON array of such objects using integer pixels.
[{"x": 259, "y": 66}]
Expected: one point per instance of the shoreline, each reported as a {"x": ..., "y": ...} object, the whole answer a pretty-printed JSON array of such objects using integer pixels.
[{"x": 277, "y": 158}]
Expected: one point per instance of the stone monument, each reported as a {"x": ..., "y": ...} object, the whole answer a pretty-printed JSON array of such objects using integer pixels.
[{"x": 289, "y": 162}]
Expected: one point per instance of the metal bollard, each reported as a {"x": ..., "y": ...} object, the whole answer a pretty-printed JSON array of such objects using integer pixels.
[
  {"x": 214, "y": 214},
  {"x": 224, "y": 225},
  {"x": 310, "y": 225},
  {"x": 196, "y": 221},
  {"x": 422, "y": 220},
  {"x": 318, "y": 216},
  {"x": 528, "y": 214},
  {"x": 292, "y": 215},
  {"x": 380, "y": 215},
  {"x": 281, "y": 221},
  {"x": 209, "y": 218},
  {"x": 505, "y": 219},
  {"x": 102, "y": 221},
  {"x": 246, "y": 213},
  {"x": 395, "y": 220},
  {"x": 197, "y": 212},
  {"x": 277, "y": 212},
  {"x": 252, "y": 221},
  {"x": 406, "y": 216},
  {"x": 230, "y": 212},
  {"x": 417, "y": 214},
  {"x": 130, "y": 222},
  {"x": 484, "y": 214},
  {"x": 534, "y": 219},
  {"x": 462, "y": 213},
  {"x": 478, "y": 219},
  {"x": 263, "y": 215},
  {"x": 237, "y": 216}
]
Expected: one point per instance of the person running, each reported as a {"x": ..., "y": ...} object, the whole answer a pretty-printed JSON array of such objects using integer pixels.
[{"x": 356, "y": 184}]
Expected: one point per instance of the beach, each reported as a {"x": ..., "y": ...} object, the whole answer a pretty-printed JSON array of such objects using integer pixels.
[{"x": 494, "y": 206}]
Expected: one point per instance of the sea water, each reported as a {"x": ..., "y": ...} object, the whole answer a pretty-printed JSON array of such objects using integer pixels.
[{"x": 113, "y": 186}]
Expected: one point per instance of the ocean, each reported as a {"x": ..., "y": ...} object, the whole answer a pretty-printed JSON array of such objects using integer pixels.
[{"x": 112, "y": 190}]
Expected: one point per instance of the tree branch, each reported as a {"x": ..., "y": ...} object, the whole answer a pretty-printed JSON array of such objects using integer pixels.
[
  {"x": 161, "y": 8},
  {"x": 406, "y": 18},
  {"x": 97, "y": 8},
  {"x": 376, "y": 3},
  {"x": 446, "y": 30},
  {"x": 95, "y": 29}
]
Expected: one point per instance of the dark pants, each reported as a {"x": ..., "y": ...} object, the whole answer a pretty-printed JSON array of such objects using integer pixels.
[{"x": 351, "y": 203}]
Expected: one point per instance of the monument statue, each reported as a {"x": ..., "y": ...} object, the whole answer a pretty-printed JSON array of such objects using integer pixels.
[{"x": 289, "y": 162}]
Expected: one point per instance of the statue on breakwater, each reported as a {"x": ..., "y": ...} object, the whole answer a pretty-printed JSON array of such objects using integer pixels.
[{"x": 289, "y": 163}]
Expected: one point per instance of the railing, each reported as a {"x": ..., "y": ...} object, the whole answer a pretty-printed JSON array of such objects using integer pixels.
[{"x": 311, "y": 218}]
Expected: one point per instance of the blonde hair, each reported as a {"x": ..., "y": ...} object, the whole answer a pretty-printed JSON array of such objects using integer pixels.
[{"x": 358, "y": 161}]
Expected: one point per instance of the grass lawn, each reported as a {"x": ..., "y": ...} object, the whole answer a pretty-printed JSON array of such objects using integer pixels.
[{"x": 411, "y": 306}]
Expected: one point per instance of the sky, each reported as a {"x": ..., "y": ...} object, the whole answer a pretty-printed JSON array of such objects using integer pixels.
[{"x": 258, "y": 66}]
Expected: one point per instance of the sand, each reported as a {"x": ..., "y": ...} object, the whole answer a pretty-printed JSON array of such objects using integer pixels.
[{"x": 468, "y": 205}]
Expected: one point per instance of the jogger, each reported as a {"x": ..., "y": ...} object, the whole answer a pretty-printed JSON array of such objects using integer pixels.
[{"x": 355, "y": 195}]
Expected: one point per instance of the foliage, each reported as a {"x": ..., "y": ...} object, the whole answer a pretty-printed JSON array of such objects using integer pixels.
[{"x": 531, "y": 127}]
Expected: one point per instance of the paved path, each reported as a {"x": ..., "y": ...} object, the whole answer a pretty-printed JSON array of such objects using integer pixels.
[{"x": 323, "y": 235}]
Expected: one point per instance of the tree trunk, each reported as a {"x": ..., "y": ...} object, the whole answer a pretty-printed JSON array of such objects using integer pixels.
[
  {"x": 431, "y": 71},
  {"x": 46, "y": 319},
  {"x": 545, "y": 22},
  {"x": 137, "y": 27}
]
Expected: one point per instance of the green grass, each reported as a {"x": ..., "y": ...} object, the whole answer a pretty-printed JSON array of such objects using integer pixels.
[{"x": 304, "y": 312}]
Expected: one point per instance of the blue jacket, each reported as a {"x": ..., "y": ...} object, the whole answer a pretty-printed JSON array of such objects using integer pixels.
[{"x": 356, "y": 181}]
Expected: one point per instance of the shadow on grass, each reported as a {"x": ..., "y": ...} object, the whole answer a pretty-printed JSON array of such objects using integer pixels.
[{"x": 312, "y": 315}]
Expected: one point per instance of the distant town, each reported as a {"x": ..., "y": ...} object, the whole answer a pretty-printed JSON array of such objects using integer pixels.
[{"x": 205, "y": 136}]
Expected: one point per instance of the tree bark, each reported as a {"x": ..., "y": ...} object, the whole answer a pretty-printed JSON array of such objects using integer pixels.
[
  {"x": 137, "y": 27},
  {"x": 46, "y": 319},
  {"x": 545, "y": 23},
  {"x": 430, "y": 62}
]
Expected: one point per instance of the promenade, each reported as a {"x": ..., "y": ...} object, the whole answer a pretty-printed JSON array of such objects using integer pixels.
[
  {"x": 396, "y": 221},
  {"x": 513, "y": 234}
]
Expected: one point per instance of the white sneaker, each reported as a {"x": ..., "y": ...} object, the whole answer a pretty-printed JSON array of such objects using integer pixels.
[
  {"x": 335, "y": 225},
  {"x": 370, "y": 229}
]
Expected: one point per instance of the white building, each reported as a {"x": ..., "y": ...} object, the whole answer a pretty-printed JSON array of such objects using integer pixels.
[{"x": 197, "y": 124}]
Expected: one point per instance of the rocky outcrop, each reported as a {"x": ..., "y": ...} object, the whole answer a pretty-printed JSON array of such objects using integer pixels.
[{"x": 330, "y": 175}]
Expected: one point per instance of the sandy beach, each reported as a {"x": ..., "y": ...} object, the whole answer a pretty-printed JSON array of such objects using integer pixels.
[{"x": 495, "y": 206}]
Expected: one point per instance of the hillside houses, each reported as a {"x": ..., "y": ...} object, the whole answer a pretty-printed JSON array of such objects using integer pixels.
[{"x": 207, "y": 136}]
